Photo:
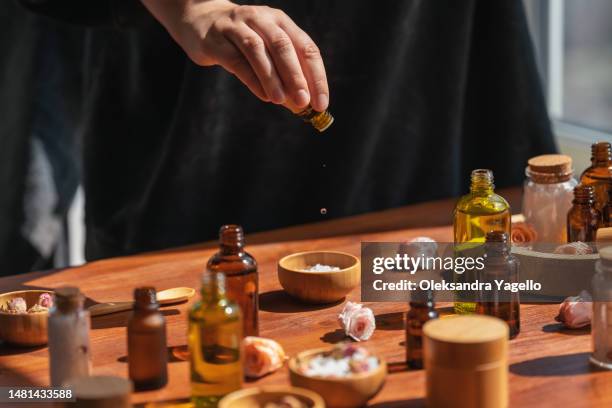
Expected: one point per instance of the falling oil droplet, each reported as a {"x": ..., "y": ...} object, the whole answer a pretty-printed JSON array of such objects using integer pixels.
[
  {"x": 324, "y": 165},
  {"x": 323, "y": 211}
]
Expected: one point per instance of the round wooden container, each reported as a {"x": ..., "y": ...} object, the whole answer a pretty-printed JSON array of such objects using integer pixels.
[{"x": 466, "y": 362}]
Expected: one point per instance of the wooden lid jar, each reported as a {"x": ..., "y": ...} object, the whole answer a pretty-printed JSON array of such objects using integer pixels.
[
  {"x": 550, "y": 168},
  {"x": 466, "y": 362}
]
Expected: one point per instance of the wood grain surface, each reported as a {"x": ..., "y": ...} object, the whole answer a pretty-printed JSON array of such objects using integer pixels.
[{"x": 548, "y": 365}]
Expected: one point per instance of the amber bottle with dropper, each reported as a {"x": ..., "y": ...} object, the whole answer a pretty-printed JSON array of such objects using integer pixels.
[
  {"x": 422, "y": 309},
  {"x": 599, "y": 174},
  {"x": 500, "y": 265},
  {"x": 583, "y": 218},
  {"x": 147, "y": 352},
  {"x": 319, "y": 120},
  {"x": 241, "y": 278}
]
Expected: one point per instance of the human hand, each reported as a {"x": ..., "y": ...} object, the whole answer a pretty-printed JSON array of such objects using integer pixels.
[{"x": 260, "y": 45}]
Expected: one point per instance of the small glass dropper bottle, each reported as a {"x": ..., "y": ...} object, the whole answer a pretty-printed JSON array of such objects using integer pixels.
[
  {"x": 241, "y": 278},
  {"x": 319, "y": 120},
  {"x": 146, "y": 335},
  {"x": 583, "y": 218},
  {"x": 422, "y": 309},
  {"x": 500, "y": 265},
  {"x": 599, "y": 174}
]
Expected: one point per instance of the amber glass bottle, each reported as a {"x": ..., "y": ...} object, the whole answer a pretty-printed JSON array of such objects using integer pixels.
[
  {"x": 241, "y": 277},
  {"x": 583, "y": 218},
  {"x": 599, "y": 174},
  {"x": 500, "y": 265},
  {"x": 215, "y": 335},
  {"x": 422, "y": 309},
  {"x": 477, "y": 213},
  {"x": 319, "y": 120},
  {"x": 147, "y": 352},
  {"x": 607, "y": 211}
]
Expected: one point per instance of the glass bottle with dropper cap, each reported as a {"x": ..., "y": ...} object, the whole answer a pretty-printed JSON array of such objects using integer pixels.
[
  {"x": 214, "y": 338},
  {"x": 241, "y": 278},
  {"x": 422, "y": 310},
  {"x": 146, "y": 338},
  {"x": 599, "y": 174},
  {"x": 583, "y": 218},
  {"x": 477, "y": 213},
  {"x": 500, "y": 265},
  {"x": 319, "y": 120}
]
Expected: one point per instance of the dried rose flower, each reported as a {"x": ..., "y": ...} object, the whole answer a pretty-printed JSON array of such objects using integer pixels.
[
  {"x": 576, "y": 311},
  {"x": 357, "y": 321},
  {"x": 574, "y": 248},
  {"x": 261, "y": 356},
  {"x": 522, "y": 233},
  {"x": 45, "y": 300}
]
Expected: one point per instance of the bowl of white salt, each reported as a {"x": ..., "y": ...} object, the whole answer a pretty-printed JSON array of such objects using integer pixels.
[{"x": 319, "y": 276}]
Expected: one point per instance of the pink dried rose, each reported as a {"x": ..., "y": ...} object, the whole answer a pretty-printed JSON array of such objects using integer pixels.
[
  {"x": 357, "y": 321},
  {"x": 45, "y": 300},
  {"x": 522, "y": 233},
  {"x": 261, "y": 356},
  {"x": 576, "y": 311},
  {"x": 574, "y": 248}
]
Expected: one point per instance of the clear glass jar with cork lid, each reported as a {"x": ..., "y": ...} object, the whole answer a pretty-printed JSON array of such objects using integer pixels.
[{"x": 547, "y": 196}]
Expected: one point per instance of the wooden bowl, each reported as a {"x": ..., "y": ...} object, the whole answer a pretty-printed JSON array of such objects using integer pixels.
[
  {"x": 561, "y": 275},
  {"x": 29, "y": 329},
  {"x": 319, "y": 287},
  {"x": 258, "y": 397},
  {"x": 345, "y": 392}
]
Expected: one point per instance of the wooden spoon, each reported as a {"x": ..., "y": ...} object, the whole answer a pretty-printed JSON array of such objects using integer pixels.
[{"x": 164, "y": 297}]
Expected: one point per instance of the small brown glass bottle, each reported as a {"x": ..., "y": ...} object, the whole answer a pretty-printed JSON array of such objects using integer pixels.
[
  {"x": 583, "y": 218},
  {"x": 241, "y": 278},
  {"x": 147, "y": 352},
  {"x": 607, "y": 211},
  {"x": 422, "y": 309},
  {"x": 319, "y": 120},
  {"x": 500, "y": 265},
  {"x": 599, "y": 174}
]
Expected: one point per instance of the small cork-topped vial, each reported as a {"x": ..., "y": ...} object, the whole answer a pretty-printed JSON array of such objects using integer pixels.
[
  {"x": 547, "y": 196},
  {"x": 319, "y": 120},
  {"x": 466, "y": 362},
  {"x": 599, "y": 174}
]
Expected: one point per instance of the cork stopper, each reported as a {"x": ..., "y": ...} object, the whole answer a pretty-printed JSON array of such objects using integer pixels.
[
  {"x": 68, "y": 299},
  {"x": 550, "y": 168}
]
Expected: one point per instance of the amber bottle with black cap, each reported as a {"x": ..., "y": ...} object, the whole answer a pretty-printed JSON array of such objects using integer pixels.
[
  {"x": 422, "y": 310},
  {"x": 583, "y": 218},
  {"x": 599, "y": 174},
  {"x": 241, "y": 279},
  {"x": 500, "y": 265},
  {"x": 147, "y": 352}
]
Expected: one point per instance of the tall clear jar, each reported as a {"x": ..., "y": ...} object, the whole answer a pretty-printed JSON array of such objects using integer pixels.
[
  {"x": 601, "y": 327},
  {"x": 547, "y": 196}
]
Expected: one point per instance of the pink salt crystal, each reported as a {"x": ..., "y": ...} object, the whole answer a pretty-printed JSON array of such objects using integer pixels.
[
  {"x": 576, "y": 311},
  {"x": 17, "y": 305},
  {"x": 574, "y": 248},
  {"x": 357, "y": 321}
]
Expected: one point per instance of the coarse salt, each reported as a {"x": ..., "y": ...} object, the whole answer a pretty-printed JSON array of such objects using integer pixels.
[{"x": 321, "y": 268}]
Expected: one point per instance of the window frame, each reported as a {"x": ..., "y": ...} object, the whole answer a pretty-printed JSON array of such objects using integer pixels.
[{"x": 546, "y": 20}]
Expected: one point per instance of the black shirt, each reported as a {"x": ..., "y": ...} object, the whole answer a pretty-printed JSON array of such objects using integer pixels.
[{"x": 422, "y": 92}]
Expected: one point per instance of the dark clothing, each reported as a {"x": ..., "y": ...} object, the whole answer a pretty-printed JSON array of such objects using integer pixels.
[{"x": 422, "y": 92}]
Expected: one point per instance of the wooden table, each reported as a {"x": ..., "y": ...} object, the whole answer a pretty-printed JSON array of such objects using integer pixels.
[{"x": 548, "y": 365}]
